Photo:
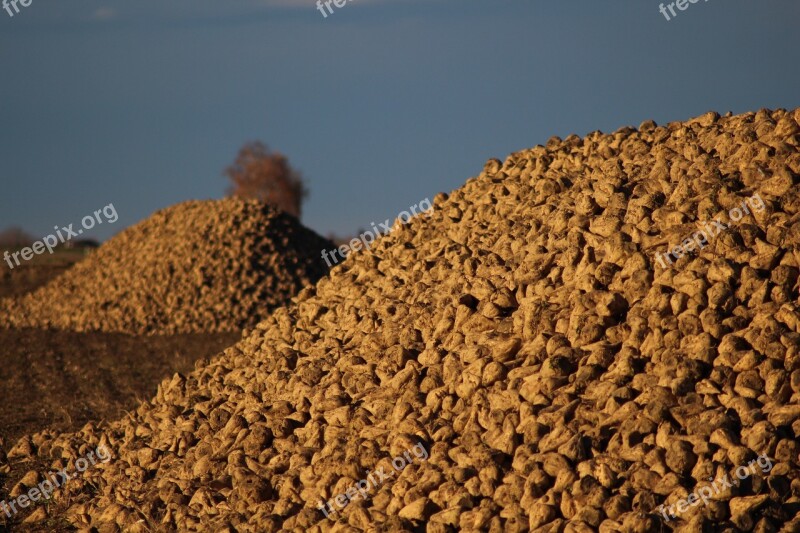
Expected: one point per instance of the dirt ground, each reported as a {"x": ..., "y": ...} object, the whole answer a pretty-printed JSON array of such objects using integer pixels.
[{"x": 61, "y": 380}]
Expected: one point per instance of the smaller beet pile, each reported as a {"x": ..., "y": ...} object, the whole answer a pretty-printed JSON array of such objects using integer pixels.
[{"x": 199, "y": 266}]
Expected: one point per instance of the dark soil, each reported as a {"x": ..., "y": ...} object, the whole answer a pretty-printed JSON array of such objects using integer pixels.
[{"x": 62, "y": 380}]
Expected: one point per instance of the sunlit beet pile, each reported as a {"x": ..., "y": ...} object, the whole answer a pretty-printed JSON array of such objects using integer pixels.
[
  {"x": 200, "y": 266},
  {"x": 525, "y": 335}
]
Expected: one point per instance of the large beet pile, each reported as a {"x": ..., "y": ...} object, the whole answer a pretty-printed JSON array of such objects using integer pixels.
[
  {"x": 200, "y": 266},
  {"x": 525, "y": 335}
]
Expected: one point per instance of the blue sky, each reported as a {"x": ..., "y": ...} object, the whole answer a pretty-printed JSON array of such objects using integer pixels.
[{"x": 382, "y": 104}]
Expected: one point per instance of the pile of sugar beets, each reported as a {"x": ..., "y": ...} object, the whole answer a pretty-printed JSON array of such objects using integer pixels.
[
  {"x": 524, "y": 334},
  {"x": 196, "y": 267}
]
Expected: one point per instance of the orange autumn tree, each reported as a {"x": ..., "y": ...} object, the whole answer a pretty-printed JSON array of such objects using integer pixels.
[{"x": 259, "y": 173}]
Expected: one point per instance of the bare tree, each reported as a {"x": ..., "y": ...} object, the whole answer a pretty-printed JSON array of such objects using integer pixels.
[{"x": 267, "y": 176}]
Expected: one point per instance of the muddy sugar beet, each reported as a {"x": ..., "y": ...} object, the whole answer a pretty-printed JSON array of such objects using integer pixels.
[
  {"x": 44, "y": 489},
  {"x": 709, "y": 230},
  {"x": 526, "y": 336},
  {"x": 373, "y": 479}
]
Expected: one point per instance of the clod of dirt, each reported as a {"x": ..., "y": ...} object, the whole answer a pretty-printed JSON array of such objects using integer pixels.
[
  {"x": 525, "y": 334},
  {"x": 197, "y": 267}
]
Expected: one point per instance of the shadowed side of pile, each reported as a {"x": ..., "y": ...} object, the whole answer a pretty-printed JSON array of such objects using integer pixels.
[
  {"x": 196, "y": 267},
  {"x": 527, "y": 338}
]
